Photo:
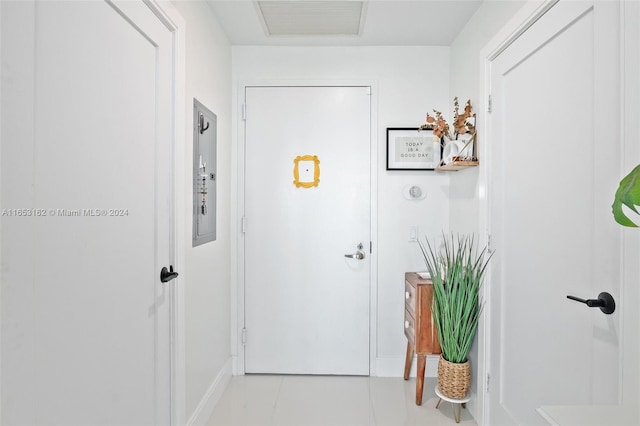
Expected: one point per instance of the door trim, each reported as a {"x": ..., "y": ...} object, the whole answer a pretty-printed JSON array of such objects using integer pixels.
[
  {"x": 238, "y": 208},
  {"x": 629, "y": 294},
  {"x": 517, "y": 25},
  {"x": 173, "y": 21}
]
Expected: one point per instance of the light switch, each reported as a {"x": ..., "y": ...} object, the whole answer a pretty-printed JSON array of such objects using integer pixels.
[{"x": 413, "y": 233}]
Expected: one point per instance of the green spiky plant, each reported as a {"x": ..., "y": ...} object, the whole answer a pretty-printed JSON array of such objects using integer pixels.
[{"x": 457, "y": 271}]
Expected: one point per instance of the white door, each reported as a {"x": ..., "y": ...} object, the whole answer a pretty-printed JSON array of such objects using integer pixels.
[
  {"x": 554, "y": 162},
  {"x": 306, "y": 304},
  {"x": 86, "y": 213}
]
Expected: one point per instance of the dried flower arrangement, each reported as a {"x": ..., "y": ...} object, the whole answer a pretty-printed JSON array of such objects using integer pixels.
[{"x": 463, "y": 123}]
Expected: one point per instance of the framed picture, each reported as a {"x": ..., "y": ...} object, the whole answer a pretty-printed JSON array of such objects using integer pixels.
[
  {"x": 411, "y": 149},
  {"x": 306, "y": 172}
]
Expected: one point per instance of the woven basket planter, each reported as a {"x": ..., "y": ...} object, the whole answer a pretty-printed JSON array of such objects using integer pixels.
[{"x": 454, "y": 379}]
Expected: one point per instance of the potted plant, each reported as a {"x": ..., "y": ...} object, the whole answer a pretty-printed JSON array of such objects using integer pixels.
[{"x": 457, "y": 271}]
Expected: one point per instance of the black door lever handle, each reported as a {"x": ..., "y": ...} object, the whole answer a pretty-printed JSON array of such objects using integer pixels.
[
  {"x": 167, "y": 275},
  {"x": 592, "y": 303},
  {"x": 604, "y": 301}
]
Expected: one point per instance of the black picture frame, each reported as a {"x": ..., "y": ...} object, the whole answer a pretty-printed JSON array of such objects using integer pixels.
[{"x": 409, "y": 148}]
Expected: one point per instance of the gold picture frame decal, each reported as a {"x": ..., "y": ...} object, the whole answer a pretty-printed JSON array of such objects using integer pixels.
[{"x": 306, "y": 171}]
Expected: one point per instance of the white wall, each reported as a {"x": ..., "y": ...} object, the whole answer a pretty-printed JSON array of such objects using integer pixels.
[
  {"x": 207, "y": 271},
  {"x": 409, "y": 82}
]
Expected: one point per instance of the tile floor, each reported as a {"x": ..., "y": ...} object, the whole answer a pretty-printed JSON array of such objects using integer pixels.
[{"x": 330, "y": 400}]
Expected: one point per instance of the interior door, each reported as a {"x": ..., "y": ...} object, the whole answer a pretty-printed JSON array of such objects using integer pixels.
[
  {"x": 86, "y": 213},
  {"x": 555, "y": 153},
  {"x": 306, "y": 304}
]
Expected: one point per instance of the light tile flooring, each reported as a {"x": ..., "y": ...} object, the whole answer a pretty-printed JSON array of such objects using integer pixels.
[{"x": 330, "y": 400}]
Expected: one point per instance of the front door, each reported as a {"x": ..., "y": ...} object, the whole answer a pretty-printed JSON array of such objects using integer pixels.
[
  {"x": 86, "y": 213},
  {"x": 555, "y": 151},
  {"x": 306, "y": 304}
]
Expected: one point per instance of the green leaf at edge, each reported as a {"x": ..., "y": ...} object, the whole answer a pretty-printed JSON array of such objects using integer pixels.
[{"x": 628, "y": 193}]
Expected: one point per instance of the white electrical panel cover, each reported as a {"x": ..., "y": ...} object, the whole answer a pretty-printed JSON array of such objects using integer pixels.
[{"x": 204, "y": 174}]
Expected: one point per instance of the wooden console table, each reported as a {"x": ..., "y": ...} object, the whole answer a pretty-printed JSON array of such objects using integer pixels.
[{"x": 418, "y": 327}]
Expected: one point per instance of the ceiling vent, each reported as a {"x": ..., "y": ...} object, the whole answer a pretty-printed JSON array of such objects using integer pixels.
[{"x": 312, "y": 18}]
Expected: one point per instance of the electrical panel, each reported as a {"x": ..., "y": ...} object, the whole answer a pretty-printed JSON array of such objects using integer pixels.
[{"x": 204, "y": 174}]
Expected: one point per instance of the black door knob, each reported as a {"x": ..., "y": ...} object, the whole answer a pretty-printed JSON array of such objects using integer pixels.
[
  {"x": 167, "y": 275},
  {"x": 604, "y": 301}
]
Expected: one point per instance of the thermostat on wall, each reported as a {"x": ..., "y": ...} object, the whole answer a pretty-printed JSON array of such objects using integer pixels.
[{"x": 414, "y": 192}]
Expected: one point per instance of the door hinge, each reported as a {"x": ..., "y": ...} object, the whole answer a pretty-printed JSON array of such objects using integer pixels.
[
  {"x": 244, "y": 112},
  {"x": 488, "y": 380},
  {"x": 489, "y": 104},
  {"x": 370, "y": 247},
  {"x": 243, "y": 224},
  {"x": 244, "y": 336},
  {"x": 489, "y": 247}
]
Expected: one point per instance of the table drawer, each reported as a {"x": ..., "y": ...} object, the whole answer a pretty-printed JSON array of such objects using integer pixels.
[
  {"x": 419, "y": 326},
  {"x": 410, "y": 297},
  {"x": 409, "y": 327}
]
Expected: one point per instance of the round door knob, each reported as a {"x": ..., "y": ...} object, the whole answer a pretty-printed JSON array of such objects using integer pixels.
[
  {"x": 406, "y": 324},
  {"x": 407, "y": 295}
]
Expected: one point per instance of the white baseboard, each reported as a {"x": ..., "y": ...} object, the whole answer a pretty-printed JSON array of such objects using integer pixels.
[
  {"x": 394, "y": 367},
  {"x": 235, "y": 366},
  {"x": 203, "y": 411}
]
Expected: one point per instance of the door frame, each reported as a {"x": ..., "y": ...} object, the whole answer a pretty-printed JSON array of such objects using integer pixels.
[
  {"x": 169, "y": 16},
  {"x": 630, "y": 294},
  {"x": 629, "y": 372},
  {"x": 519, "y": 23},
  {"x": 238, "y": 210}
]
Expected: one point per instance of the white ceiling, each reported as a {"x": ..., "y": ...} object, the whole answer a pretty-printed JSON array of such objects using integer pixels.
[{"x": 386, "y": 23}]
